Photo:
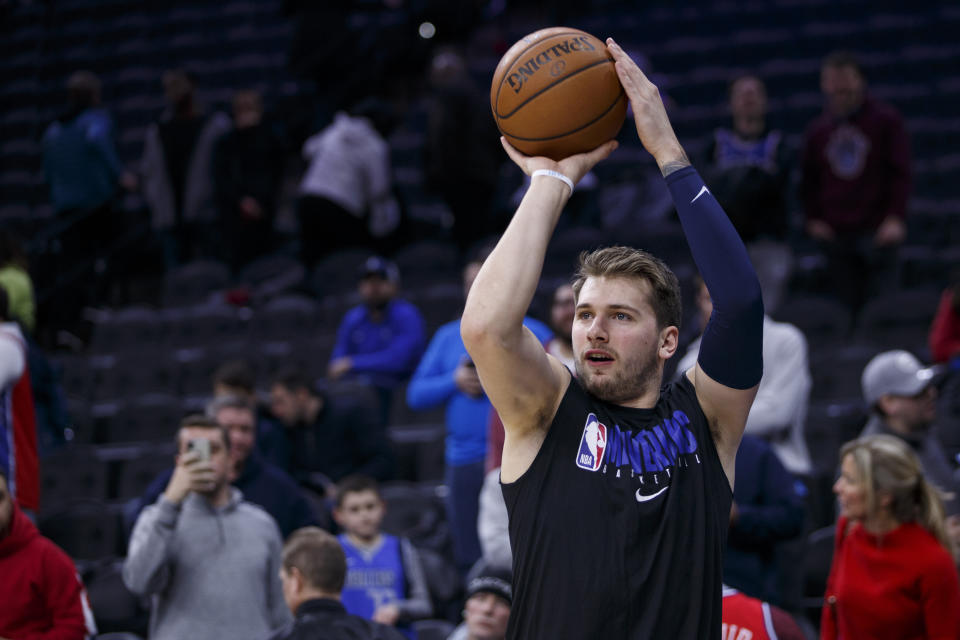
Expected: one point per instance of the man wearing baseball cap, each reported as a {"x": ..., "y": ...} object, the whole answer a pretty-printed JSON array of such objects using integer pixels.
[
  {"x": 380, "y": 341},
  {"x": 902, "y": 399},
  {"x": 487, "y": 610}
]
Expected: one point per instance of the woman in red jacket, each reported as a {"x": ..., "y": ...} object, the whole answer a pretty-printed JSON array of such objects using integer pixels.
[{"x": 893, "y": 575}]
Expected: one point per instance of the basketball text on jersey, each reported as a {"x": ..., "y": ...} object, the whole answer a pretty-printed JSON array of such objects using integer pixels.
[
  {"x": 650, "y": 453},
  {"x": 733, "y": 632}
]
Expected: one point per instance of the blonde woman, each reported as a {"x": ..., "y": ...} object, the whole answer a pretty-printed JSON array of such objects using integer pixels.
[{"x": 893, "y": 573}]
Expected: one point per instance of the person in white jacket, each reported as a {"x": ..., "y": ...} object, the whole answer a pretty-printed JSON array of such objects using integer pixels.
[
  {"x": 346, "y": 196},
  {"x": 779, "y": 411}
]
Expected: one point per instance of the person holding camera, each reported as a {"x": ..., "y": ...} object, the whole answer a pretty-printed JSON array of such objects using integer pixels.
[{"x": 208, "y": 559}]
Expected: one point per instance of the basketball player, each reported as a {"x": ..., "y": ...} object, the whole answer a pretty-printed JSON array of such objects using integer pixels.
[{"x": 618, "y": 489}]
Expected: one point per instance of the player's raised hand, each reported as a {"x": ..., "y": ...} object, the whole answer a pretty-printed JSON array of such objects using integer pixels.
[
  {"x": 574, "y": 167},
  {"x": 650, "y": 116}
]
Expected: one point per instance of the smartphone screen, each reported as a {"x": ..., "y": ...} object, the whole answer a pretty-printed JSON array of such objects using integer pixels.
[{"x": 201, "y": 446}]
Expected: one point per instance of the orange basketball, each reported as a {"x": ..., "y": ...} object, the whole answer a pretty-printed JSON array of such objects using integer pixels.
[{"x": 556, "y": 93}]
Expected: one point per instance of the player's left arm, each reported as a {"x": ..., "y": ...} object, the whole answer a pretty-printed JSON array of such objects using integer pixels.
[{"x": 730, "y": 362}]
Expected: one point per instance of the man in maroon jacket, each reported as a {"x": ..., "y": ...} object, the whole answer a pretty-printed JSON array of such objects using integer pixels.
[
  {"x": 41, "y": 596},
  {"x": 856, "y": 181}
]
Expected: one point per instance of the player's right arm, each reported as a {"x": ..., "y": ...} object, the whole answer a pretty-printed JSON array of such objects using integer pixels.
[{"x": 524, "y": 384}]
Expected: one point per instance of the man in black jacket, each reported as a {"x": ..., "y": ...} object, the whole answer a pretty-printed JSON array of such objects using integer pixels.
[{"x": 313, "y": 573}]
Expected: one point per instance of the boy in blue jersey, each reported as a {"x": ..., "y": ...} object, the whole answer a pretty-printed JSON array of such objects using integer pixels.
[{"x": 385, "y": 580}]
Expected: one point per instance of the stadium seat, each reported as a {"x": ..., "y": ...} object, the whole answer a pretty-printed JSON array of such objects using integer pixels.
[
  {"x": 114, "y": 607},
  {"x": 141, "y": 467},
  {"x": 415, "y": 511},
  {"x": 86, "y": 531},
  {"x": 836, "y": 371},
  {"x": 426, "y": 262},
  {"x": 432, "y": 629},
  {"x": 286, "y": 318},
  {"x": 148, "y": 418},
  {"x": 818, "y": 557},
  {"x": 824, "y": 321},
  {"x": 338, "y": 272},
  {"x": 193, "y": 283},
  {"x": 829, "y": 424},
  {"x": 71, "y": 474},
  {"x": 419, "y": 449},
  {"x": 899, "y": 320}
]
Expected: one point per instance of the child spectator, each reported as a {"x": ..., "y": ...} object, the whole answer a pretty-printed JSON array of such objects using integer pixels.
[{"x": 385, "y": 580}]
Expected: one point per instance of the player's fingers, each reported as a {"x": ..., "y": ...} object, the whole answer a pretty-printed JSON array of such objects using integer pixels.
[
  {"x": 515, "y": 155},
  {"x": 602, "y": 151}
]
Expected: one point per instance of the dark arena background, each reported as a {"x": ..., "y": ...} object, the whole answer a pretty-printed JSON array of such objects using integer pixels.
[{"x": 216, "y": 243}]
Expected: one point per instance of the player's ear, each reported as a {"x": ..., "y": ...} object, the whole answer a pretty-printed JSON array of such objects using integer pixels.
[{"x": 669, "y": 340}]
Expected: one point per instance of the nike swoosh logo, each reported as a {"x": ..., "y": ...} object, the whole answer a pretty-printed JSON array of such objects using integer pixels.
[
  {"x": 703, "y": 190},
  {"x": 643, "y": 498}
]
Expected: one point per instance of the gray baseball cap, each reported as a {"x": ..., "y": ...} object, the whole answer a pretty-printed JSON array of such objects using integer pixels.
[{"x": 894, "y": 372}]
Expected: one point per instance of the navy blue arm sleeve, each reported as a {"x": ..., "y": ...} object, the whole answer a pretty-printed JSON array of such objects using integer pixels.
[{"x": 731, "y": 351}]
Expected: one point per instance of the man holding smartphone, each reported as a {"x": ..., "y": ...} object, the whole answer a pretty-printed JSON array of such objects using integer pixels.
[{"x": 208, "y": 559}]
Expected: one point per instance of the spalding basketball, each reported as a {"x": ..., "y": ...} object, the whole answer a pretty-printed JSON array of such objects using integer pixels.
[{"x": 556, "y": 93}]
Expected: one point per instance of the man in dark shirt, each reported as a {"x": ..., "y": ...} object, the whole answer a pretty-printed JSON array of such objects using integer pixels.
[
  {"x": 330, "y": 435},
  {"x": 313, "y": 572},
  {"x": 856, "y": 181},
  {"x": 618, "y": 490},
  {"x": 247, "y": 170}
]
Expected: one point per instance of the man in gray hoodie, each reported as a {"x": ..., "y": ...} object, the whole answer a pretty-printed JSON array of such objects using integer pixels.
[{"x": 209, "y": 560}]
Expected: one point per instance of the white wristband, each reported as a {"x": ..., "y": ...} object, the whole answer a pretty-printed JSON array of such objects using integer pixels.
[{"x": 553, "y": 174}]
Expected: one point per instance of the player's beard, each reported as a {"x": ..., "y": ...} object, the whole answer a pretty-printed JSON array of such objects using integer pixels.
[{"x": 629, "y": 381}]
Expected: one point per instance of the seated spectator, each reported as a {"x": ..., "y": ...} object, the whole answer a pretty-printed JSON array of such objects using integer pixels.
[
  {"x": 945, "y": 330},
  {"x": 893, "y": 573},
  {"x": 260, "y": 482},
  {"x": 381, "y": 340},
  {"x": 746, "y": 618},
  {"x": 346, "y": 195},
  {"x": 40, "y": 592},
  {"x": 779, "y": 411},
  {"x": 748, "y": 170},
  {"x": 313, "y": 573},
  {"x": 487, "y": 610},
  {"x": 767, "y": 510},
  {"x": 235, "y": 378},
  {"x": 329, "y": 435},
  {"x": 446, "y": 376},
  {"x": 385, "y": 579},
  {"x": 18, "y": 430},
  {"x": 247, "y": 170},
  {"x": 209, "y": 560},
  {"x": 177, "y": 172},
  {"x": 903, "y": 402},
  {"x": 855, "y": 183}
]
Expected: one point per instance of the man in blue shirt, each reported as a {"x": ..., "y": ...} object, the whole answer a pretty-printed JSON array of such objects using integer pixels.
[
  {"x": 446, "y": 375},
  {"x": 381, "y": 340}
]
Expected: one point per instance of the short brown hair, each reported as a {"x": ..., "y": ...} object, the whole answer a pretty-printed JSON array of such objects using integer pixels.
[
  {"x": 355, "y": 484},
  {"x": 200, "y": 421},
  {"x": 627, "y": 262},
  {"x": 841, "y": 59},
  {"x": 318, "y": 557}
]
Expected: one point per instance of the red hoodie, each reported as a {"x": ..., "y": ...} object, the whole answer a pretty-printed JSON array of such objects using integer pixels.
[{"x": 41, "y": 596}]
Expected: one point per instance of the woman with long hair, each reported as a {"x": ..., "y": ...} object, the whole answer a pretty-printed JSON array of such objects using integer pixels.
[{"x": 893, "y": 573}]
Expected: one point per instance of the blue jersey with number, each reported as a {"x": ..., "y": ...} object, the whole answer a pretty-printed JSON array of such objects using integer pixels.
[{"x": 375, "y": 577}]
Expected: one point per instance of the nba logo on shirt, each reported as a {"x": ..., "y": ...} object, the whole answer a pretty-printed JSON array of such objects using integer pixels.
[{"x": 592, "y": 444}]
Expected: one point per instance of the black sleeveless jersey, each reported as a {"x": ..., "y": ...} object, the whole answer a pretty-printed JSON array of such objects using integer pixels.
[{"x": 619, "y": 525}]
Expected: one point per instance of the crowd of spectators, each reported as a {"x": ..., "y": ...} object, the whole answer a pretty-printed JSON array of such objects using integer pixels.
[{"x": 270, "y": 518}]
